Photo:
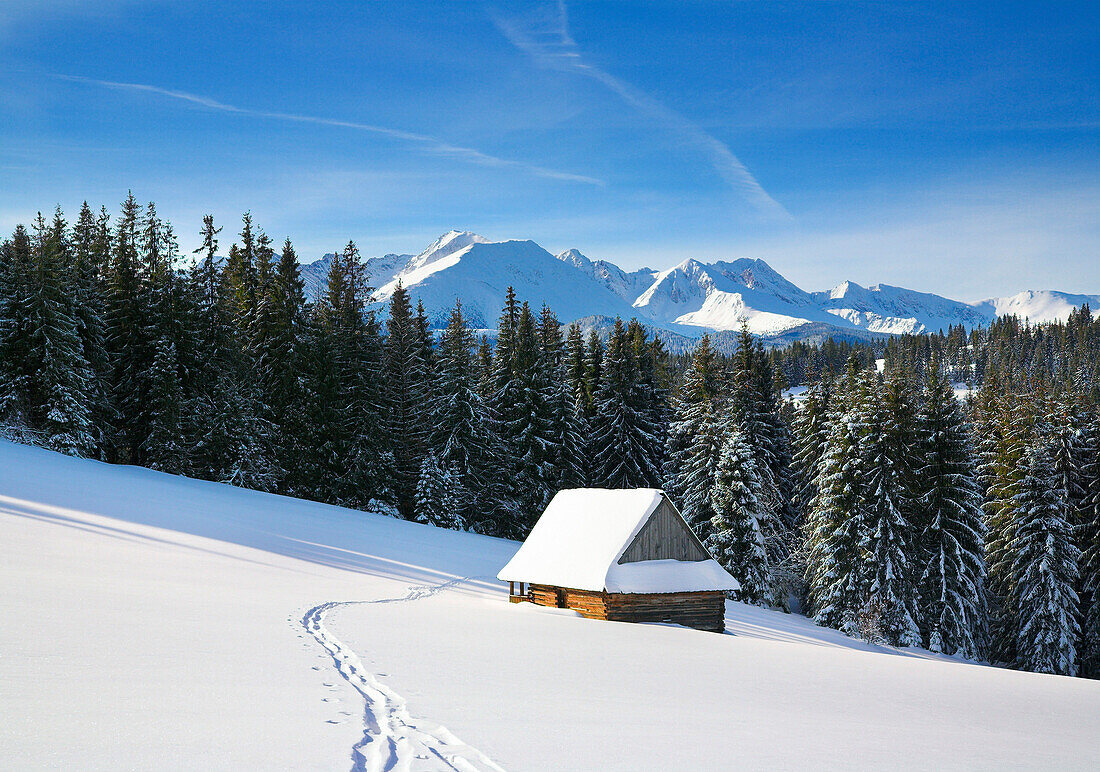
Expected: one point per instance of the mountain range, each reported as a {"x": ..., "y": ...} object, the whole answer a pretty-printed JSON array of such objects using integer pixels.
[{"x": 686, "y": 300}]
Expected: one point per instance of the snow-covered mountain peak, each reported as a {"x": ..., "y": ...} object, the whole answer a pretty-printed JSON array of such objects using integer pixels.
[
  {"x": 574, "y": 257},
  {"x": 445, "y": 246},
  {"x": 845, "y": 289}
]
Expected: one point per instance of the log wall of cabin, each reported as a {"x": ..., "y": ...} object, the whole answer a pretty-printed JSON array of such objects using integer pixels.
[{"x": 701, "y": 610}]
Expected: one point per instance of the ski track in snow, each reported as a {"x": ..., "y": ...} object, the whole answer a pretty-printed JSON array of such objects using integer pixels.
[{"x": 392, "y": 738}]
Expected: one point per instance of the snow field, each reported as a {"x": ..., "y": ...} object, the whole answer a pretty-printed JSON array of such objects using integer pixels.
[{"x": 152, "y": 621}]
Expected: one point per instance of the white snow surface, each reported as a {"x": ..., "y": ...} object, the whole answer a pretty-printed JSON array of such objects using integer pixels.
[
  {"x": 579, "y": 539},
  {"x": 156, "y": 622}
]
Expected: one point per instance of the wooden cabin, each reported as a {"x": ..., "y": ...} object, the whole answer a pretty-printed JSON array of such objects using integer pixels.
[{"x": 621, "y": 555}]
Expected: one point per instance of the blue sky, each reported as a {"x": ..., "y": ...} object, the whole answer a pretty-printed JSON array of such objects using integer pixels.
[{"x": 948, "y": 147}]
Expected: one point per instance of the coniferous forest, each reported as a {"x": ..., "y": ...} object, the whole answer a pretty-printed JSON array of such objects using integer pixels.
[{"x": 880, "y": 502}]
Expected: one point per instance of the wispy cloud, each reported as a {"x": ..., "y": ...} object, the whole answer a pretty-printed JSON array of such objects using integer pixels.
[
  {"x": 423, "y": 141},
  {"x": 548, "y": 41}
]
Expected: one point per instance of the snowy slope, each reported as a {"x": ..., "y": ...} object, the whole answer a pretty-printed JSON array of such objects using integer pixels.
[
  {"x": 688, "y": 298},
  {"x": 152, "y": 621},
  {"x": 1041, "y": 306},
  {"x": 894, "y": 310}
]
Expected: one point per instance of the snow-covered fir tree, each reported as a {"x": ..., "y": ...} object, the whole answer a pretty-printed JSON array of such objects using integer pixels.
[
  {"x": 694, "y": 437},
  {"x": 1004, "y": 434},
  {"x": 889, "y": 538},
  {"x": 164, "y": 448},
  {"x": 459, "y": 432},
  {"x": 1088, "y": 541},
  {"x": 49, "y": 384},
  {"x": 405, "y": 392},
  {"x": 626, "y": 440},
  {"x": 437, "y": 495},
  {"x": 753, "y": 408},
  {"x": 128, "y": 343},
  {"x": 811, "y": 430},
  {"x": 1045, "y": 571},
  {"x": 837, "y": 524},
  {"x": 953, "y": 613},
  {"x": 736, "y": 537},
  {"x": 522, "y": 409}
]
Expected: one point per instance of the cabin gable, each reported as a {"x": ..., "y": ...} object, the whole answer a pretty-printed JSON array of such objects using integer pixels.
[{"x": 665, "y": 536}]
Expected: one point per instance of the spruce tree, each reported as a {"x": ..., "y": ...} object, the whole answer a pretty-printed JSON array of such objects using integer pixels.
[
  {"x": 128, "y": 342},
  {"x": 811, "y": 429},
  {"x": 736, "y": 538},
  {"x": 1045, "y": 572},
  {"x": 1088, "y": 541},
  {"x": 437, "y": 495},
  {"x": 1004, "y": 434},
  {"x": 280, "y": 362},
  {"x": 343, "y": 376},
  {"x": 564, "y": 407},
  {"x": 593, "y": 372},
  {"x": 164, "y": 448},
  {"x": 459, "y": 433},
  {"x": 91, "y": 255},
  {"x": 694, "y": 438},
  {"x": 404, "y": 399},
  {"x": 836, "y": 525},
  {"x": 754, "y": 411},
  {"x": 240, "y": 277},
  {"x": 522, "y": 410},
  {"x": 953, "y": 612},
  {"x": 625, "y": 437},
  {"x": 890, "y": 536},
  {"x": 49, "y": 384}
]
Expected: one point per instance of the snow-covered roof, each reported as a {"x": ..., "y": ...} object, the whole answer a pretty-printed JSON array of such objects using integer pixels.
[{"x": 581, "y": 536}]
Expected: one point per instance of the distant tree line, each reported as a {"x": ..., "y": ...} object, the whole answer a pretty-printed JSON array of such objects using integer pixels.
[{"x": 878, "y": 502}]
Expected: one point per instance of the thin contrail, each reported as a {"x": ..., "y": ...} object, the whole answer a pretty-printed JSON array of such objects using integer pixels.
[
  {"x": 426, "y": 142},
  {"x": 553, "y": 47}
]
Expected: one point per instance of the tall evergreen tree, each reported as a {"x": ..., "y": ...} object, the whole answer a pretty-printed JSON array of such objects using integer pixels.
[
  {"x": 694, "y": 437},
  {"x": 128, "y": 342},
  {"x": 593, "y": 372},
  {"x": 1045, "y": 567},
  {"x": 624, "y": 434},
  {"x": 404, "y": 392},
  {"x": 1088, "y": 541},
  {"x": 1004, "y": 435},
  {"x": 736, "y": 538},
  {"x": 522, "y": 409},
  {"x": 49, "y": 384},
  {"x": 890, "y": 534},
  {"x": 91, "y": 256},
  {"x": 811, "y": 429},
  {"x": 459, "y": 433},
  {"x": 164, "y": 448},
  {"x": 240, "y": 276},
  {"x": 437, "y": 495},
  {"x": 952, "y": 583},
  {"x": 837, "y": 524}
]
